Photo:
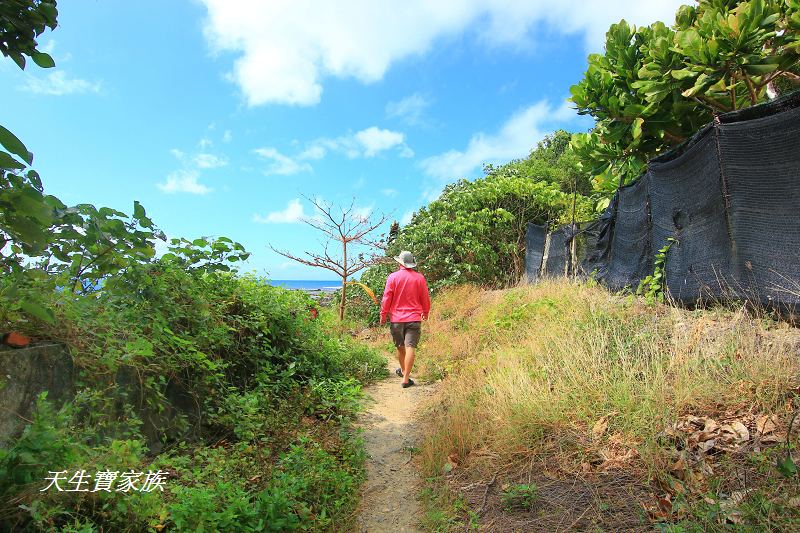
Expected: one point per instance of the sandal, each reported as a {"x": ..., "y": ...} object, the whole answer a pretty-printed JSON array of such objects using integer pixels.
[
  {"x": 399, "y": 373},
  {"x": 409, "y": 384}
]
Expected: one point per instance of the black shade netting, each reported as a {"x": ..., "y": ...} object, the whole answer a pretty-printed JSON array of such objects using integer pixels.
[
  {"x": 586, "y": 248},
  {"x": 631, "y": 258},
  {"x": 595, "y": 261},
  {"x": 534, "y": 250},
  {"x": 687, "y": 205},
  {"x": 558, "y": 253},
  {"x": 761, "y": 167},
  {"x": 727, "y": 202}
]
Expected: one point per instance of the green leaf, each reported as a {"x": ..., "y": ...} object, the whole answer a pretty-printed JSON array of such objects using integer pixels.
[
  {"x": 43, "y": 59},
  {"x": 9, "y": 163},
  {"x": 637, "y": 128},
  {"x": 29, "y": 232},
  {"x": 14, "y": 145},
  {"x": 50, "y": 12},
  {"x": 108, "y": 212},
  {"x": 19, "y": 59},
  {"x": 141, "y": 347},
  {"x": 37, "y": 310},
  {"x": 10, "y": 292},
  {"x": 770, "y": 20},
  {"x": 35, "y": 179},
  {"x": 138, "y": 210},
  {"x": 760, "y": 70},
  {"x": 682, "y": 74}
]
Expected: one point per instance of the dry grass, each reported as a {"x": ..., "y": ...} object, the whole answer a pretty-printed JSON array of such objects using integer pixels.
[{"x": 531, "y": 372}]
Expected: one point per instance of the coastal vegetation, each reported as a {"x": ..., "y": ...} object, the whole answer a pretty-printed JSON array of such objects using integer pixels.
[
  {"x": 551, "y": 398},
  {"x": 223, "y": 400},
  {"x": 475, "y": 231}
]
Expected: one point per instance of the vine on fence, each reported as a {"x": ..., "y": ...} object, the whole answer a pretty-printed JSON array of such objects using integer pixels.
[{"x": 652, "y": 286}]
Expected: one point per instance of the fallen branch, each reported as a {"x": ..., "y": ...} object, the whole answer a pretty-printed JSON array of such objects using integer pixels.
[{"x": 486, "y": 493}]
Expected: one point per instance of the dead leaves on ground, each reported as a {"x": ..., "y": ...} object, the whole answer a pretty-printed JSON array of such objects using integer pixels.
[
  {"x": 699, "y": 440},
  {"x": 615, "y": 452},
  {"x": 696, "y": 440},
  {"x": 705, "y": 435}
]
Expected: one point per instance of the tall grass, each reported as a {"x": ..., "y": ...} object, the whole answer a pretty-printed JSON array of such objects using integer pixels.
[{"x": 529, "y": 371}]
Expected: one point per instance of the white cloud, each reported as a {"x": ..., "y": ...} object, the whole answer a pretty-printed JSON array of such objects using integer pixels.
[
  {"x": 409, "y": 109},
  {"x": 515, "y": 139},
  {"x": 281, "y": 165},
  {"x": 293, "y": 213},
  {"x": 201, "y": 160},
  {"x": 59, "y": 84},
  {"x": 227, "y": 136},
  {"x": 187, "y": 178},
  {"x": 205, "y": 143},
  {"x": 183, "y": 180},
  {"x": 391, "y": 193},
  {"x": 286, "y": 49},
  {"x": 376, "y": 140},
  {"x": 367, "y": 143},
  {"x": 315, "y": 151},
  {"x": 209, "y": 161}
]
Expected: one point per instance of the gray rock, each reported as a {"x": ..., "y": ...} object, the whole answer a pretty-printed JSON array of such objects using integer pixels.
[{"x": 24, "y": 374}]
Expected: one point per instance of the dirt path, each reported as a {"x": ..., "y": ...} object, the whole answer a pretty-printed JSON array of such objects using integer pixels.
[{"x": 391, "y": 435}]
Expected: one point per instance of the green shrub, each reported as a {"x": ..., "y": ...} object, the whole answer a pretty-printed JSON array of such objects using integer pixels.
[
  {"x": 45, "y": 444},
  {"x": 256, "y": 373},
  {"x": 313, "y": 484}
]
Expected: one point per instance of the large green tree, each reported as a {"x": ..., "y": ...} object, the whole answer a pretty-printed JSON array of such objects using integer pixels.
[
  {"x": 475, "y": 231},
  {"x": 657, "y": 85}
]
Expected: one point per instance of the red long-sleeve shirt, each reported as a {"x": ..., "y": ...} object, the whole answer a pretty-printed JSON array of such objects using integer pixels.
[{"x": 405, "y": 298}]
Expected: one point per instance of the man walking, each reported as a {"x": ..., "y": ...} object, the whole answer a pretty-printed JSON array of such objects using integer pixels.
[{"x": 407, "y": 303}]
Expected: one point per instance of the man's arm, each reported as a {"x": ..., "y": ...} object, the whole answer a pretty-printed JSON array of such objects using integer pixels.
[
  {"x": 425, "y": 299},
  {"x": 386, "y": 301}
]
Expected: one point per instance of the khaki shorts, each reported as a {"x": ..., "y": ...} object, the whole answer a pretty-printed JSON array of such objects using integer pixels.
[{"x": 405, "y": 333}]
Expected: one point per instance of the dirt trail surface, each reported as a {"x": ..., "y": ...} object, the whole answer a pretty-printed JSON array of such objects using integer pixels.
[{"x": 391, "y": 435}]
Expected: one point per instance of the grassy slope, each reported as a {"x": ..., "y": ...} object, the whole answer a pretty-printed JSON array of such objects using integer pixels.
[{"x": 567, "y": 393}]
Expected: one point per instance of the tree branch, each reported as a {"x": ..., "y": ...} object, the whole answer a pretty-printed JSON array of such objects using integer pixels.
[{"x": 313, "y": 261}]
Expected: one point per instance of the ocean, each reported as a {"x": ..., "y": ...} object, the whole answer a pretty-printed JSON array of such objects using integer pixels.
[{"x": 306, "y": 284}]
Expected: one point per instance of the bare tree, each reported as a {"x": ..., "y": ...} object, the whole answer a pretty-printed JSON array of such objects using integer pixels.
[{"x": 348, "y": 228}]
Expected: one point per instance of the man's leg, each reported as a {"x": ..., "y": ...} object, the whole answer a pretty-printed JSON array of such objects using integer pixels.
[
  {"x": 401, "y": 355},
  {"x": 411, "y": 338},
  {"x": 396, "y": 329},
  {"x": 409, "y": 363}
]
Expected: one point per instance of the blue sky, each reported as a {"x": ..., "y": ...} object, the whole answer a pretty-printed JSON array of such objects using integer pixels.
[{"x": 219, "y": 115}]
